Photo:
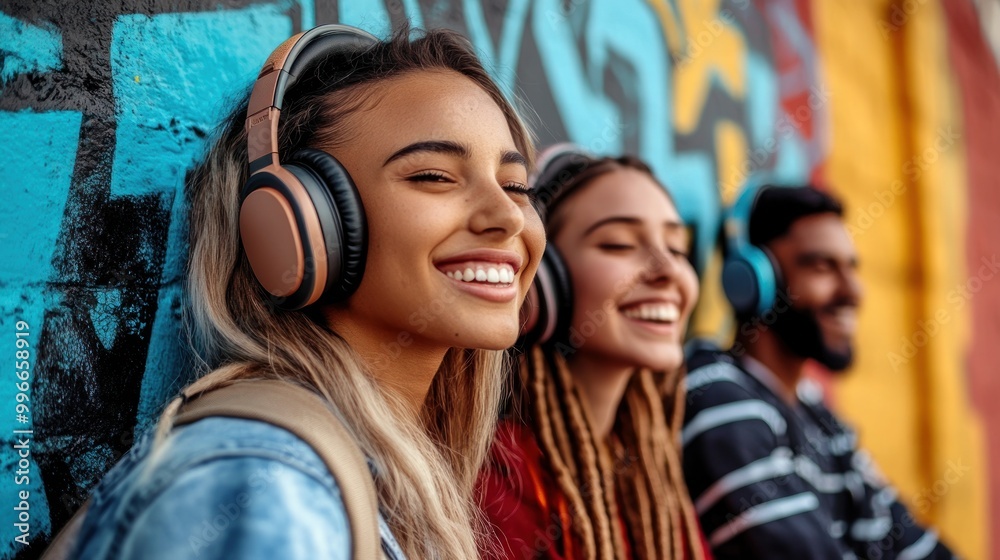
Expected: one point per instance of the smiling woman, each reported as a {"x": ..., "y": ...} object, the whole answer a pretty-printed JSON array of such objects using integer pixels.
[
  {"x": 378, "y": 171},
  {"x": 586, "y": 464}
]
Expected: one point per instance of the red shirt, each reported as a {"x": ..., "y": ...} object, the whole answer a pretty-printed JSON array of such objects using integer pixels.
[{"x": 523, "y": 503}]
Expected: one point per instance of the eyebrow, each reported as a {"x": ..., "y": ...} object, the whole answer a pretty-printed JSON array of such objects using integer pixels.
[
  {"x": 629, "y": 220},
  {"x": 810, "y": 257},
  {"x": 451, "y": 148},
  {"x": 514, "y": 157}
]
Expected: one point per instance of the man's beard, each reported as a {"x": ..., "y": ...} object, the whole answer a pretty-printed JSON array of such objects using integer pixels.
[{"x": 799, "y": 330}]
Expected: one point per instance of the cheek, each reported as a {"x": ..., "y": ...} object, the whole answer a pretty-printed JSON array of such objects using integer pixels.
[
  {"x": 533, "y": 234},
  {"x": 810, "y": 291},
  {"x": 399, "y": 244},
  {"x": 598, "y": 282},
  {"x": 533, "y": 238},
  {"x": 688, "y": 281},
  {"x": 406, "y": 225}
]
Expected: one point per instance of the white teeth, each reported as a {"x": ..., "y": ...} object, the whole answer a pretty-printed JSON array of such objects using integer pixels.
[
  {"x": 500, "y": 274},
  {"x": 672, "y": 313},
  {"x": 658, "y": 312}
]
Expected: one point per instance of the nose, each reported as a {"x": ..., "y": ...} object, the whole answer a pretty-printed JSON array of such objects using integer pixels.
[
  {"x": 494, "y": 211},
  {"x": 850, "y": 287},
  {"x": 660, "y": 266}
]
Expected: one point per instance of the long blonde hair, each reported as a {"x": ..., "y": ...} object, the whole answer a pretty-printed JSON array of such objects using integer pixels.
[
  {"x": 426, "y": 469},
  {"x": 638, "y": 472}
]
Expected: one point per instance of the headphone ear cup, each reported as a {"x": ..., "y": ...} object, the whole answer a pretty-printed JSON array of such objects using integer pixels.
[
  {"x": 547, "y": 311},
  {"x": 342, "y": 217},
  {"x": 276, "y": 239},
  {"x": 771, "y": 278},
  {"x": 749, "y": 282}
]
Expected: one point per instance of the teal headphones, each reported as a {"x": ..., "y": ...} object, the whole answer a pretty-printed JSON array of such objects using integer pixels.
[{"x": 750, "y": 276}]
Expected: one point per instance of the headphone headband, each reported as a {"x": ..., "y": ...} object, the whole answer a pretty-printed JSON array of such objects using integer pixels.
[
  {"x": 548, "y": 309},
  {"x": 302, "y": 223},
  {"x": 737, "y": 222},
  {"x": 280, "y": 72},
  {"x": 558, "y": 164}
]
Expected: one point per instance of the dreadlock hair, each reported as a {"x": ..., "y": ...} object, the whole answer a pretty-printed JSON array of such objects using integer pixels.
[{"x": 637, "y": 471}]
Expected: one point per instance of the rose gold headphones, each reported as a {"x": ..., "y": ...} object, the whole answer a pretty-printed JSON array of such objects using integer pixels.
[{"x": 302, "y": 224}]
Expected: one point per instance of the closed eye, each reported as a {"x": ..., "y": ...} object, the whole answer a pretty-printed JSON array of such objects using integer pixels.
[
  {"x": 428, "y": 177},
  {"x": 680, "y": 253},
  {"x": 616, "y": 246},
  {"x": 520, "y": 189}
]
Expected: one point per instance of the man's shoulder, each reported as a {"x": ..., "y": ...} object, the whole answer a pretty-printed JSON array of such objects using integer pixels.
[{"x": 714, "y": 377}]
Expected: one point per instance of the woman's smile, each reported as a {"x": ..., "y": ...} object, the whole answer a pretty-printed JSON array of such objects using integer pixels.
[{"x": 489, "y": 274}]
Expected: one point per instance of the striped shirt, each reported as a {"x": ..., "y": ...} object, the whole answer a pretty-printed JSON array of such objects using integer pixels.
[{"x": 772, "y": 480}]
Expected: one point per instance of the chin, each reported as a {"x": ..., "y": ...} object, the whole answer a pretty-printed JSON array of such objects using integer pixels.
[
  {"x": 495, "y": 343},
  {"x": 499, "y": 340},
  {"x": 839, "y": 345},
  {"x": 658, "y": 360}
]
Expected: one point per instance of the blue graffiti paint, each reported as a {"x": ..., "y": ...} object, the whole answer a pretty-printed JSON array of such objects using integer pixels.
[
  {"x": 414, "y": 13},
  {"x": 790, "y": 162},
  {"x": 761, "y": 99},
  {"x": 308, "y": 10},
  {"x": 27, "y": 48},
  {"x": 630, "y": 30},
  {"x": 40, "y": 151},
  {"x": 105, "y": 316},
  {"x": 591, "y": 119},
  {"x": 171, "y": 91},
  {"x": 585, "y": 110},
  {"x": 792, "y": 166},
  {"x": 501, "y": 60},
  {"x": 374, "y": 17}
]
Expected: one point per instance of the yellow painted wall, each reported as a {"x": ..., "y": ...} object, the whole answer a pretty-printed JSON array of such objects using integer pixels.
[{"x": 897, "y": 161}]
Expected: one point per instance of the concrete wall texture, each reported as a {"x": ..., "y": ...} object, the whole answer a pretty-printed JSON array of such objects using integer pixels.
[{"x": 894, "y": 106}]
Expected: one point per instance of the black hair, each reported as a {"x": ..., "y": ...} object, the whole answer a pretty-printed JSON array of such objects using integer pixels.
[{"x": 778, "y": 207}]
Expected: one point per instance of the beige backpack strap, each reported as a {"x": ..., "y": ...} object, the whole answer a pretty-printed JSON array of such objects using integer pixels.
[
  {"x": 304, "y": 414},
  {"x": 65, "y": 540}
]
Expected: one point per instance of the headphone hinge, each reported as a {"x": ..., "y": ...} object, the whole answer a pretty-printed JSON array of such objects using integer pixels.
[{"x": 262, "y": 134}]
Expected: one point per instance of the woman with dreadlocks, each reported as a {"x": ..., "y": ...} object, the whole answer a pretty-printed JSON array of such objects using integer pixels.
[{"x": 586, "y": 461}]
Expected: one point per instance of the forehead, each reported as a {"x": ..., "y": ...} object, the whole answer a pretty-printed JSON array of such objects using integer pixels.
[
  {"x": 819, "y": 233},
  {"x": 623, "y": 192},
  {"x": 429, "y": 104}
]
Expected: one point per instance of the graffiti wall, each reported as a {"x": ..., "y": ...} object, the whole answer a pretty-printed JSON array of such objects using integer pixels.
[{"x": 106, "y": 106}]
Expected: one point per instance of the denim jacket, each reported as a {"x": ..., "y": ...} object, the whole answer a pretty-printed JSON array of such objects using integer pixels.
[{"x": 221, "y": 488}]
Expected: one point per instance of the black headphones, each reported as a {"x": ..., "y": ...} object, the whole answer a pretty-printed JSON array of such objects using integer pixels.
[
  {"x": 548, "y": 309},
  {"x": 302, "y": 224}
]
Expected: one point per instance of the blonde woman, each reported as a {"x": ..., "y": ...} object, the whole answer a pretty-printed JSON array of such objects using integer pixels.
[
  {"x": 586, "y": 463},
  {"x": 396, "y": 321}
]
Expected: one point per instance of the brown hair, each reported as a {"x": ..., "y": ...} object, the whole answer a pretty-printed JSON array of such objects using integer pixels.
[
  {"x": 426, "y": 468},
  {"x": 639, "y": 470}
]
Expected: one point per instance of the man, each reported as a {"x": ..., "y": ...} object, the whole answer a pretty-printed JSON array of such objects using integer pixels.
[{"x": 773, "y": 472}]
